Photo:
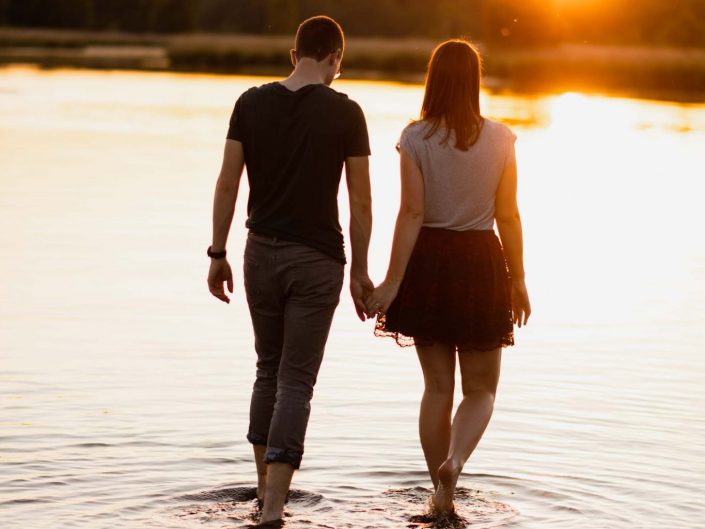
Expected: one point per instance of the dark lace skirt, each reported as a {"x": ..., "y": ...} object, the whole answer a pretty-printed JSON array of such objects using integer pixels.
[{"x": 456, "y": 290}]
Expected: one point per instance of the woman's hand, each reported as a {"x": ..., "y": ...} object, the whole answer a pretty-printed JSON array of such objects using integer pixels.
[
  {"x": 521, "y": 307},
  {"x": 378, "y": 302}
]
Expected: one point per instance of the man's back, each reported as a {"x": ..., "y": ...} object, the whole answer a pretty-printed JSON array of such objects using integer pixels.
[
  {"x": 295, "y": 137},
  {"x": 295, "y": 144}
]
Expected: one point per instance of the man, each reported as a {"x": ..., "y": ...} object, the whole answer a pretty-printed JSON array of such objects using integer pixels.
[{"x": 294, "y": 136}]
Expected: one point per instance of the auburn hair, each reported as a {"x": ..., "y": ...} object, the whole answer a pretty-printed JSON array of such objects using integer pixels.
[{"x": 452, "y": 96}]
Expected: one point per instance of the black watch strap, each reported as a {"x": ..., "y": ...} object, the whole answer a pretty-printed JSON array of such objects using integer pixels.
[{"x": 216, "y": 255}]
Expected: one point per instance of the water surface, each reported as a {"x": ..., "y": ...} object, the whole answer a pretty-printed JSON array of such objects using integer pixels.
[{"x": 124, "y": 385}]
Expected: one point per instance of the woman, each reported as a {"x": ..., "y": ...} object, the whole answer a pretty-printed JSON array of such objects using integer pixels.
[{"x": 451, "y": 289}]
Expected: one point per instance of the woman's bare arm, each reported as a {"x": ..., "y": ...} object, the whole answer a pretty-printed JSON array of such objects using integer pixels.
[
  {"x": 510, "y": 232},
  {"x": 406, "y": 231}
]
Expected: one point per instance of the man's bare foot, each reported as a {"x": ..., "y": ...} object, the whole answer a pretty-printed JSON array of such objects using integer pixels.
[
  {"x": 448, "y": 474},
  {"x": 261, "y": 485},
  {"x": 278, "y": 482},
  {"x": 274, "y": 523},
  {"x": 262, "y": 468}
]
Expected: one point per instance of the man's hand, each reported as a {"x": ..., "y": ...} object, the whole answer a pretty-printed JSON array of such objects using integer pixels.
[
  {"x": 360, "y": 287},
  {"x": 223, "y": 210},
  {"x": 219, "y": 273}
]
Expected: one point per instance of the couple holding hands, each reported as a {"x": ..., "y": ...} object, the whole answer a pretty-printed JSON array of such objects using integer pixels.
[{"x": 452, "y": 289}]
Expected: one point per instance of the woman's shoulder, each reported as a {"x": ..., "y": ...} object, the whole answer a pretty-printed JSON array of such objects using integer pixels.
[
  {"x": 415, "y": 128},
  {"x": 498, "y": 130},
  {"x": 412, "y": 135}
]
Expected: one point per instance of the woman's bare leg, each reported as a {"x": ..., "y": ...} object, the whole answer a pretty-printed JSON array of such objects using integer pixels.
[
  {"x": 438, "y": 365},
  {"x": 480, "y": 375}
]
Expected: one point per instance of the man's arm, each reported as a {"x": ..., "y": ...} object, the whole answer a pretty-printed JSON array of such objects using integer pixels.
[
  {"x": 223, "y": 210},
  {"x": 357, "y": 173}
]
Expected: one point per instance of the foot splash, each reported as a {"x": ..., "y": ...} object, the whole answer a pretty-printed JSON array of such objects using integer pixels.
[
  {"x": 237, "y": 504},
  {"x": 238, "y": 508},
  {"x": 474, "y": 509}
]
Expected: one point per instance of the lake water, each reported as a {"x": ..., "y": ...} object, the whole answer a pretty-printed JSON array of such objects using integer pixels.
[{"x": 124, "y": 385}]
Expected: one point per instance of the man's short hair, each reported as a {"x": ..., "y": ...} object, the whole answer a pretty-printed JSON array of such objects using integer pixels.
[{"x": 317, "y": 37}]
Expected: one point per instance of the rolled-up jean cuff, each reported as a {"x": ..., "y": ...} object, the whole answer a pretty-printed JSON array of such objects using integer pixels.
[
  {"x": 257, "y": 439},
  {"x": 281, "y": 455}
]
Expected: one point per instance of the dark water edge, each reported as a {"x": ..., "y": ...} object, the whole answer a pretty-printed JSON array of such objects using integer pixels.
[
  {"x": 676, "y": 74},
  {"x": 497, "y": 86}
]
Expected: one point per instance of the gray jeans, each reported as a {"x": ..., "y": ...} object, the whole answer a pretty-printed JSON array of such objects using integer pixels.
[{"x": 292, "y": 291}]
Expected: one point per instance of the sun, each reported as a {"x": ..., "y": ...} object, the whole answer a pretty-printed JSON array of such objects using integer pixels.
[{"x": 577, "y": 3}]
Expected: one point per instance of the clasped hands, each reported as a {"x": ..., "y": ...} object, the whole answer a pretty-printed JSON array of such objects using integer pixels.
[{"x": 370, "y": 301}]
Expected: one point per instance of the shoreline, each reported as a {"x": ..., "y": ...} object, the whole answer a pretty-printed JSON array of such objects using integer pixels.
[{"x": 660, "y": 73}]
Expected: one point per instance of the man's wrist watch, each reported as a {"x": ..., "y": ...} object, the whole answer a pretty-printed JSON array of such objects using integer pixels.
[{"x": 216, "y": 255}]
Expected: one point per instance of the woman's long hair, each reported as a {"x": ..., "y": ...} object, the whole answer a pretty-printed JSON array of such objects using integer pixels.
[{"x": 452, "y": 97}]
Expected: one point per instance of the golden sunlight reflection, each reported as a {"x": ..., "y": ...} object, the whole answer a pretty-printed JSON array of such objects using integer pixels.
[
  {"x": 579, "y": 116},
  {"x": 605, "y": 183},
  {"x": 606, "y": 187}
]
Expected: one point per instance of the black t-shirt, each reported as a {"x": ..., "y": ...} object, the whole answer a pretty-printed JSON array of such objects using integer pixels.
[{"x": 295, "y": 145}]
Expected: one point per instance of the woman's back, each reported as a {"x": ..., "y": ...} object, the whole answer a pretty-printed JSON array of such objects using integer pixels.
[
  {"x": 454, "y": 288},
  {"x": 459, "y": 186}
]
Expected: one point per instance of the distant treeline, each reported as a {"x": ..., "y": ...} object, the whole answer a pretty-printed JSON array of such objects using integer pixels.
[{"x": 510, "y": 23}]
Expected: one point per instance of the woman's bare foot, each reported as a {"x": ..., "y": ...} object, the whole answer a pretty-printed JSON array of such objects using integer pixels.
[{"x": 448, "y": 474}]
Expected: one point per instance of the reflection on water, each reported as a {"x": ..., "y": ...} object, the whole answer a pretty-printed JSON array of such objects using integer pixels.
[{"x": 124, "y": 386}]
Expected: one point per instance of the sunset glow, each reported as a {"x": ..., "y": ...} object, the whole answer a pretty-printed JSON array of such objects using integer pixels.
[{"x": 161, "y": 157}]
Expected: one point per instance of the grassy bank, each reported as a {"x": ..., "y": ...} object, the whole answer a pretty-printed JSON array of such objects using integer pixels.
[{"x": 565, "y": 67}]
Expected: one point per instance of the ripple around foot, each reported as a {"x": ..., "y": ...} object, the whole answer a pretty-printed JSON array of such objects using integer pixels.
[
  {"x": 473, "y": 508},
  {"x": 235, "y": 494},
  {"x": 393, "y": 509},
  {"x": 237, "y": 504}
]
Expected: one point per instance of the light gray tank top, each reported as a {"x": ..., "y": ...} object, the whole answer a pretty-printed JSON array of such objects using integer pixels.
[{"x": 459, "y": 186}]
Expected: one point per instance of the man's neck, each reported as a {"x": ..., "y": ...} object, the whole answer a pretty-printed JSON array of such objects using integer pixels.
[{"x": 305, "y": 73}]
